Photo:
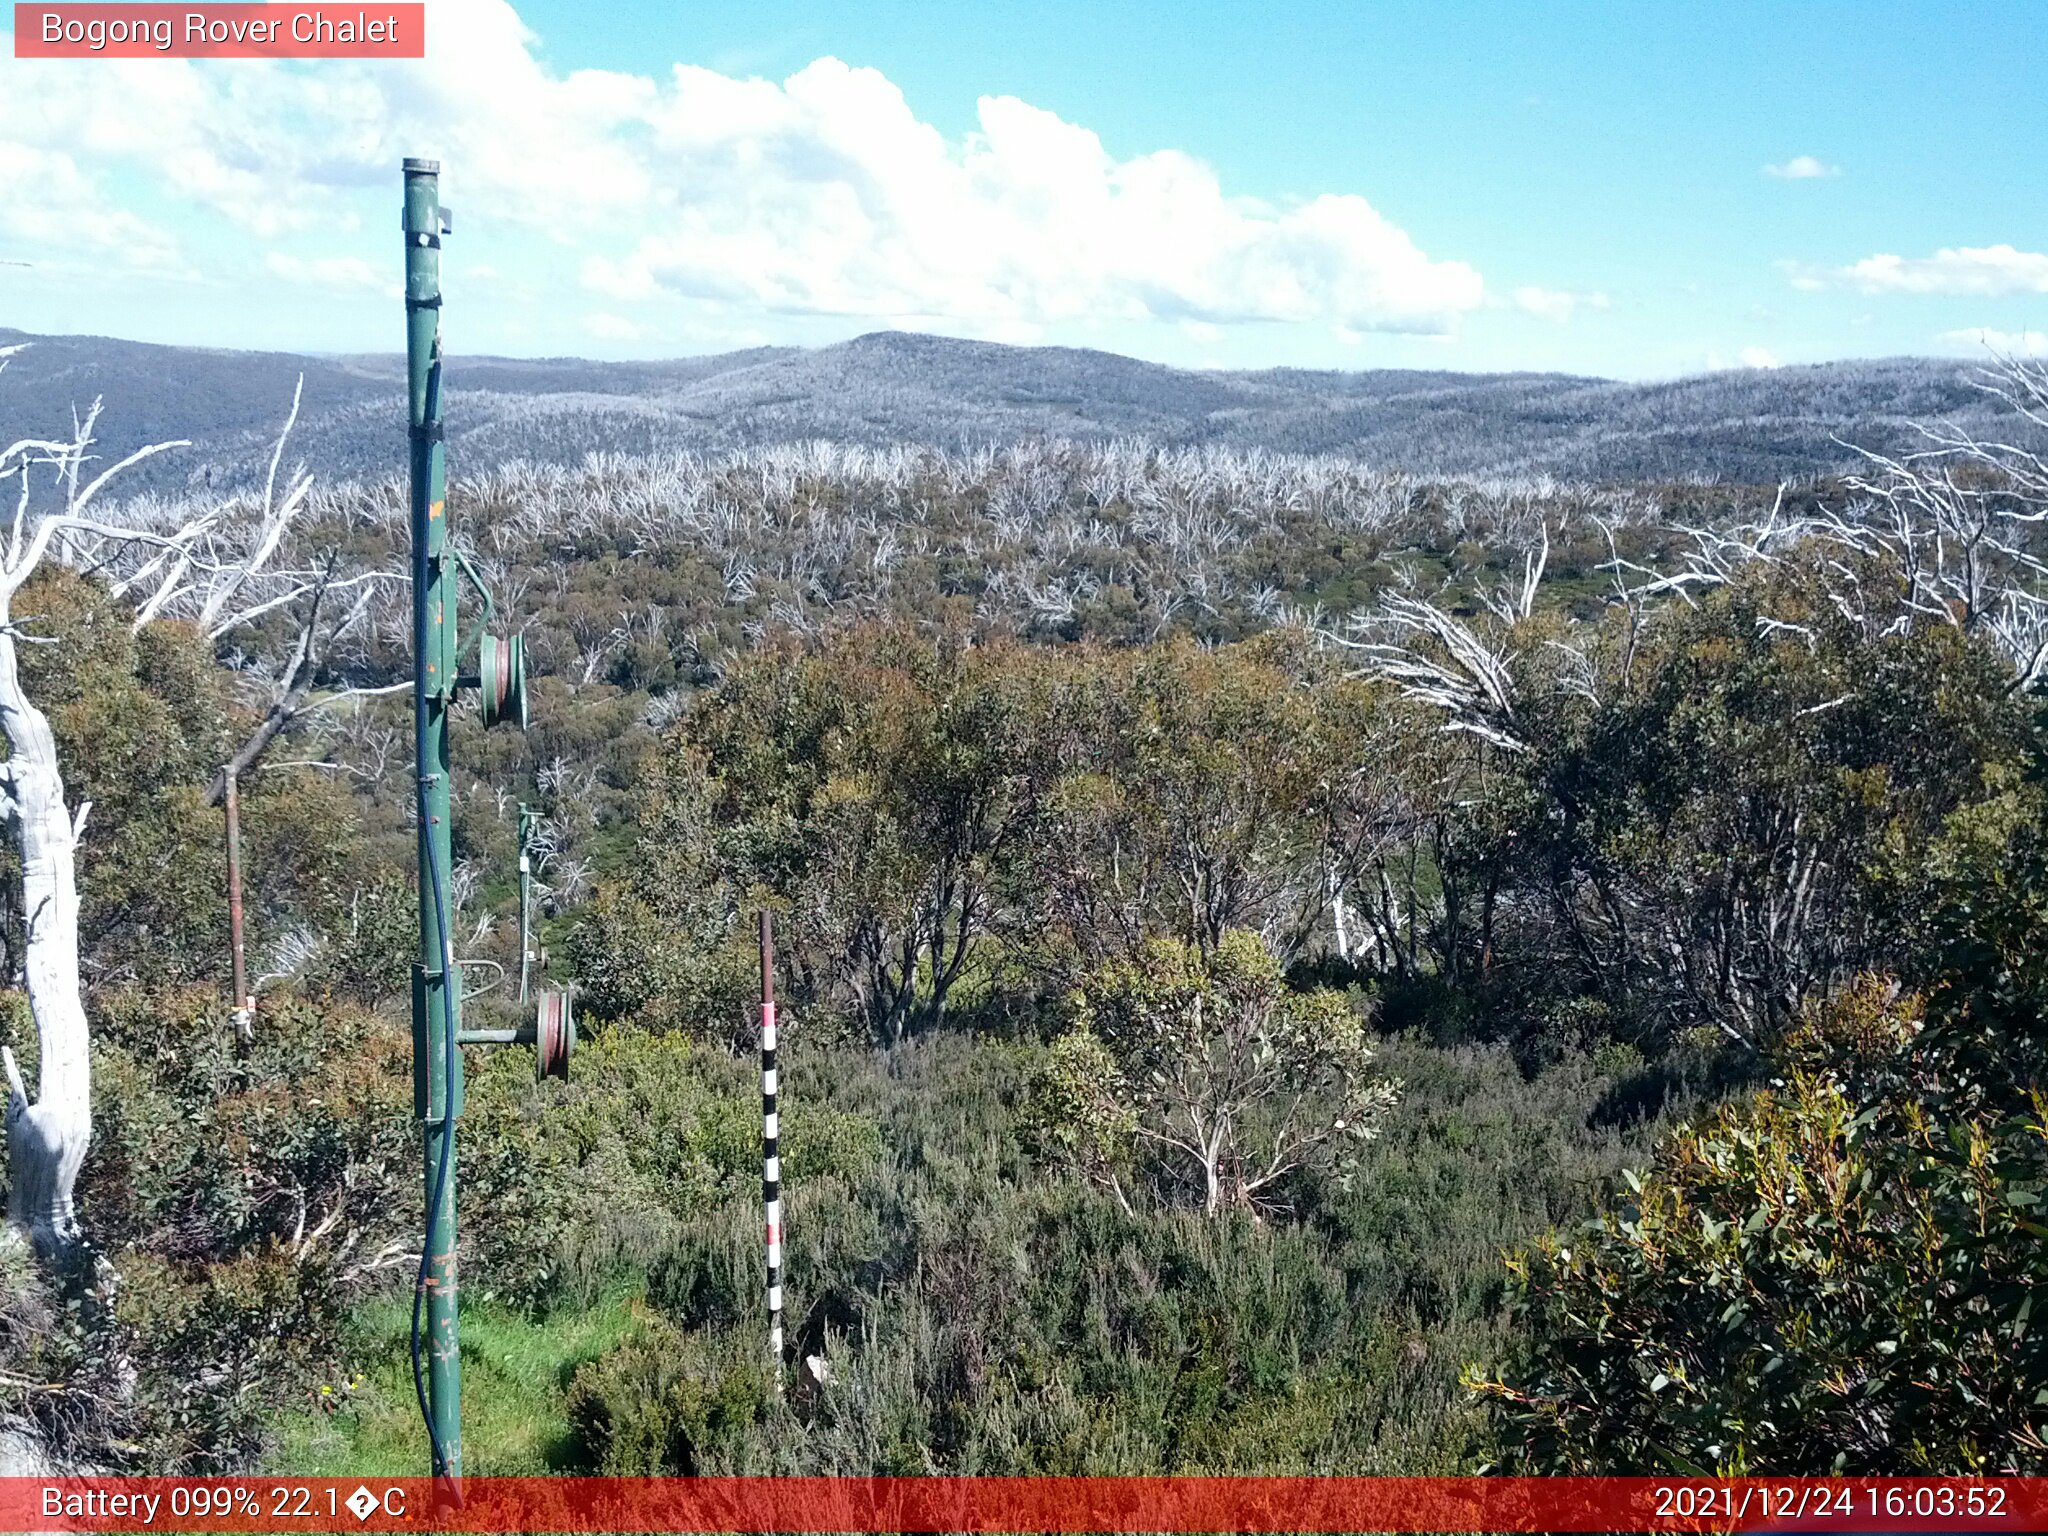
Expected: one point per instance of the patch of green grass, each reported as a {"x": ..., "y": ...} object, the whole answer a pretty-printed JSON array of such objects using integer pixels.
[{"x": 515, "y": 1373}]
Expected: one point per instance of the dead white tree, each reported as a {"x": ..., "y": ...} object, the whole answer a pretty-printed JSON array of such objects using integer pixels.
[
  {"x": 292, "y": 697},
  {"x": 1949, "y": 534},
  {"x": 1465, "y": 670},
  {"x": 47, "y": 1138},
  {"x": 1959, "y": 522},
  {"x": 241, "y": 582},
  {"x": 160, "y": 569}
]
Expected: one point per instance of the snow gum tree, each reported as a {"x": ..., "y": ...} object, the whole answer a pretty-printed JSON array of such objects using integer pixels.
[{"x": 1231, "y": 1078}]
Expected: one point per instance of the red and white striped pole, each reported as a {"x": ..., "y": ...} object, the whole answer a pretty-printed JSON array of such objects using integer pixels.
[{"x": 771, "y": 1161}]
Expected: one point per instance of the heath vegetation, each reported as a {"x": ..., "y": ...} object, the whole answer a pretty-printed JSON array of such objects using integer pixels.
[{"x": 1286, "y": 966}]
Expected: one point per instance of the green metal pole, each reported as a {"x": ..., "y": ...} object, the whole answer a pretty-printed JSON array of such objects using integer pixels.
[{"x": 437, "y": 985}]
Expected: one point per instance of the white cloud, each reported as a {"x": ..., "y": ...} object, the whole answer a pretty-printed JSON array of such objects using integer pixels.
[
  {"x": 1986, "y": 270},
  {"x": 49, "y": 203},
  {"x": 1557, "y": 304},
  {"x": 822, "y": 194},
  {"x": 2005, "y": 343},
  {"x": 277, "y": 147},
  {"x": 611, "y": 327},
  {"x": 826, "y": 195},
  {"x": 1746, "y": 357},
  {"x": 1802, "y": 168},
  {"x": 348, "y": 274}
]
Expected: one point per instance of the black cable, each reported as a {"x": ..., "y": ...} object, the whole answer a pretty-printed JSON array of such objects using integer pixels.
[
  {"x": 450, "y": 995},
  {"x": 442, "y": 1166}
]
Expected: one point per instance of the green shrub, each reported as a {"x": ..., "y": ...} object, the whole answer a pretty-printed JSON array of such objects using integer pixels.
[
  {"x": 662, "y": 1404},
  {"x": 1077, "y": 1112},
  {"x": 242, "y": 1202},
  {"x": 1833, "y": 1276},
  {"x": 569, "y": 1183},
  {"x": 976, "y": 1316},
  {"x": 1837, "y": 1274}
]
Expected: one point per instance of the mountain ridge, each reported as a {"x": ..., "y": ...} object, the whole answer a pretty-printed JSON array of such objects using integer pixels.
[{"x": 1752, "y": 426}]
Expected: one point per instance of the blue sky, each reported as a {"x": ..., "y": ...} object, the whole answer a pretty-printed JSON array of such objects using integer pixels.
[{"x": 1639, "y": 189}]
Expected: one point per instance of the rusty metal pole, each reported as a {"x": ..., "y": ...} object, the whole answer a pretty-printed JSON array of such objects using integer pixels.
[
  {"x": 771, "y": 1160},
  {"x": 245, "y": 1005}
]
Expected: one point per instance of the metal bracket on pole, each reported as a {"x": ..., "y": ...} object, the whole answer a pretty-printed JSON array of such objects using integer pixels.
[{"x": 483, "y": 592}]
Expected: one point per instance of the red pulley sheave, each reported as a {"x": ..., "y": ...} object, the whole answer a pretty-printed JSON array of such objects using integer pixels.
[
  {"x": 554, "y": 1038},
  {"x": 501, "y": 680}
]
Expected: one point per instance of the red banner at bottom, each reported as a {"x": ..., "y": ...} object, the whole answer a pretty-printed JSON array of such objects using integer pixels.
[{"x": 748, "y": 1504}]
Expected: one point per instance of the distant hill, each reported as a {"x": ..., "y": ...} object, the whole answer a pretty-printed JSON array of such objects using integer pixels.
[{"x": 1748, "y": 426}]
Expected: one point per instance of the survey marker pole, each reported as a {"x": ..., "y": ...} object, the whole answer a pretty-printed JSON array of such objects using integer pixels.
[
  {"x": 771, "y": 1148},
  {"x": 437, "y": 983}
]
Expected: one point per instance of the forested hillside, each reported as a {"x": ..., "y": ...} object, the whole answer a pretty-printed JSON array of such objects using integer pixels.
[
  {"x": 1288, "y": 964},
  {"x": 1748, "y": 426}
]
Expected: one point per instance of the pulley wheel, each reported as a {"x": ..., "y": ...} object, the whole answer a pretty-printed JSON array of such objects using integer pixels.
[
  {"x": 501, "y": 680},
  {"x": 554, "y": 1036}
]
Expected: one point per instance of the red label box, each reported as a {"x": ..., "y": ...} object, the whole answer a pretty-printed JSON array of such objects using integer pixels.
[{"x": 366, "y": 29}]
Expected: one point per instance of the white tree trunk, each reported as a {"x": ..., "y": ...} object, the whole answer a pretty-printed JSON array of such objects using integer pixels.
[{"x": 46, "y": 1141}]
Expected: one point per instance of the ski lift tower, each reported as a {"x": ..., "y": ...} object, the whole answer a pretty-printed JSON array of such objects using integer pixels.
[{"x": 438, "y": 569}]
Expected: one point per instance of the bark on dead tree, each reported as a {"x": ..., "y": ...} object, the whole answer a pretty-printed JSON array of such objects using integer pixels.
[
  {"x": 245, "y": 1005},
  {"x": 46, "y": 1140}
]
